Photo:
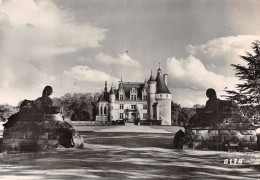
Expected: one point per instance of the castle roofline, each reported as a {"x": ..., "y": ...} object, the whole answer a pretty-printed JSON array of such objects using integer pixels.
[
  {"x": 151, "y": 77},
  {"x": 112, "y": 91},
  {"x": 103, "y": 97},
  {"x": 161, "y": 87},
  {"x": 128, "y": 82}
]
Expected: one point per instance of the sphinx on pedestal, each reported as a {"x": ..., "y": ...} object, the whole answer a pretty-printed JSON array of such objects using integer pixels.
[
  {"x": 220, "y": 126},
  {"x": 39, "y": 125}
]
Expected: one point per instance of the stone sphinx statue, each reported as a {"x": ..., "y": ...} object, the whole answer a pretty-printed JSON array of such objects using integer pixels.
[
  {"x": 212, "y": 103},
  {"x": 39, "y": 125},
  {"x": 41, "y": 104},
  {"x": 45, "y": 101},
  {"x": 218, "y": 125}
]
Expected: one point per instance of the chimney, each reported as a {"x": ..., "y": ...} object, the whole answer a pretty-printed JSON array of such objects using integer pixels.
[
  {"x": 105, "y": 86},
  {"x": 165, "y": 78}
]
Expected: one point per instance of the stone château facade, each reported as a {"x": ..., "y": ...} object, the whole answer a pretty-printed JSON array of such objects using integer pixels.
[{"x": 144, "y": 101}]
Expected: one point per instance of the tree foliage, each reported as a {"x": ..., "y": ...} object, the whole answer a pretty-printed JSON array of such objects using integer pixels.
[
  {"x": 78, "y": 106},
  {"x": 6, "y": 111},
  {"x": 175, "y": 112},
  {"x": 186, "y": 114},
  {"x": 181, "y": 115},
  {"x": 248, "y": 91},
  {"x": 250, "y": 111}
]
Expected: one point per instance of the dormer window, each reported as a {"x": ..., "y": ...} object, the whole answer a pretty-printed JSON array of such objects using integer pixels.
[
  {"x": 133, "y": 97},
  {"x": 133, "y": 90},
  {"x": 121, "y": 97}
]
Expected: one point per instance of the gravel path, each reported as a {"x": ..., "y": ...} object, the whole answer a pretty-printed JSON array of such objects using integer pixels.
[{"x": 128, "y": 155}]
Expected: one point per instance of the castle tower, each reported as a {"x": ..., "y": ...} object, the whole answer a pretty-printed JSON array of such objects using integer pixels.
[
  {"x": 102, "y": 106},
  {"x": 163, "y": 98},
  {"x": 151, "y": 97},
  {"x": 112, "y": 98}
]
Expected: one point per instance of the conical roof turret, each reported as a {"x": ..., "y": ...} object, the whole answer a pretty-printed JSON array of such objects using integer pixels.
[
  {"x": 102, "y": 97},
  {"x": 112, "y": 91},
  {"x": 161, "y": 87},
  {"x": 151, "y": 77},
  {"x": 159, "y": 69}
]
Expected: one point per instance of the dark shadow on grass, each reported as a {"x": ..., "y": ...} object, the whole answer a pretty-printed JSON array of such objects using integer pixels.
[{"x": 124, "y": 156}]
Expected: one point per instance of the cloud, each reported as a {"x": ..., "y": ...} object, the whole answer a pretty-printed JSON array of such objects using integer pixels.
[
  {"x": 123, "y": 59},
  {"x": 76, "y": 79},
  {"x": 218, "y": 54},
  {"x": 207, "y": 66},
  {"x": 191, "y": 73},
  {"x": 122, "y": 66},
  {"x": 42, "y": 29},
  {"x": 85, "y": 73},
  {"x": 33, "y": 36},
  {"x": 188, "y": 97},
  {"x": 82, "y": 79}
]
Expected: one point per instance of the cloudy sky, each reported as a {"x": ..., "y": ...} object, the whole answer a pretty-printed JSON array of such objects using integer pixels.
[{"x": 75, "y": 46}]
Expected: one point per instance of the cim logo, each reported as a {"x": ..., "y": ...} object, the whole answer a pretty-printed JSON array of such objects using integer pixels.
[{"x": 233, "y": 161}]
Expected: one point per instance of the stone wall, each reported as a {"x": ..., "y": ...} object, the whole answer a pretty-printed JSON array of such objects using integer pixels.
[
  {"x": 37, "y": 131},
  {"x": 164, "y": 112},
  {"x": 220, "y": 127}
]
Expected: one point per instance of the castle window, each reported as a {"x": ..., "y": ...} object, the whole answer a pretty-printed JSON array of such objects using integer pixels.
[
  {"x": 145, "y": 106},
  {"x": 133, "y": 97},
  {"x": 121, "y": 116},
  {"x": 121, "y": 106},
  {"x": 132, "y": 106},
  {"x": 105, "y": 110},
  {"x": 121, "y": 97},
  {"x": 144, "y": 97},
  {"x": 145, "y": 116}
]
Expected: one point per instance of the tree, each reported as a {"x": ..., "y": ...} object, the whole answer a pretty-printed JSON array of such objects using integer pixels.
[
  {"x": 175, "y": 112},
  {"x": 6, "y": 111},
  {"x": 78, "y": 106},
  {"x": 196, "y": 106},
  {"x": 248, "y": 91},
  {"x": 186, "y": 114}
]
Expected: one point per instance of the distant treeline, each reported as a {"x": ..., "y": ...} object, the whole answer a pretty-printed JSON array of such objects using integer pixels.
[
  {"x": 81, "y": 107},
  {"x": 6, "y": 111},
  {"x": 78, "y": 106},
  {"x": 181, "y": 115}
]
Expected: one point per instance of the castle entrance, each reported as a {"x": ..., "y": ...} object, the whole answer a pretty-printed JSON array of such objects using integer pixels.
[{"x": 131, "y": 116}]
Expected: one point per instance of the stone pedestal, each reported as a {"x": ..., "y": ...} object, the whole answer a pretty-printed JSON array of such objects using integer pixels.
[
  {"x": 221, "y": 128},
  {"x": 38, "y": 131}
]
